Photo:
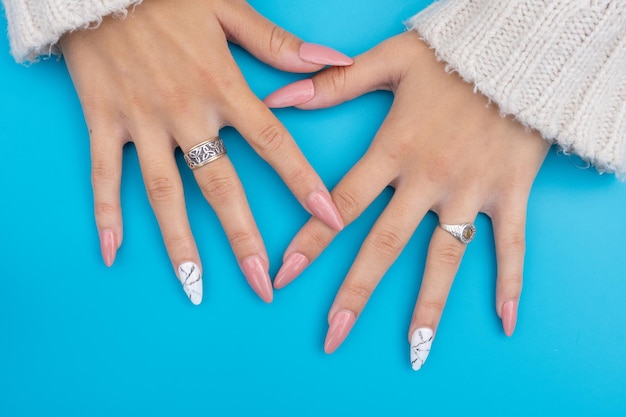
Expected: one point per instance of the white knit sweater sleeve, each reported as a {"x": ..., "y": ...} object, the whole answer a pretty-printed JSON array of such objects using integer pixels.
[
  {"x": 558, "y": 66},
  {"x": 35, "y": 26}
]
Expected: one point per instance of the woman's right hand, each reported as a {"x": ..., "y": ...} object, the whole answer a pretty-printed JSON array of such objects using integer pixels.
[{"x": 163, "y": 77}]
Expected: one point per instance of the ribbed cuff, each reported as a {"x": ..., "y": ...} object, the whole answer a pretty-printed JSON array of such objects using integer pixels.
[
  {"x": 555, "y": 65},
  {"x": 35, "y": 26}
]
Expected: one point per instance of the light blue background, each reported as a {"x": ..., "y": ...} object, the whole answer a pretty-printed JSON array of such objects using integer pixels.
[{"x": 78, "y": 339}]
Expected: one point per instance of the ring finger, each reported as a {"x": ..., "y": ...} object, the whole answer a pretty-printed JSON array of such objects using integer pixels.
[
  {"x": 442, "y": 263},
  {"x": 222, "y": 188}
]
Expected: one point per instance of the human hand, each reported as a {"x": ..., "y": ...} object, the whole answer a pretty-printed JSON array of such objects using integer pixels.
[
  {"x": 164, "y": 77},
  {"x": 443, "y": 148}
]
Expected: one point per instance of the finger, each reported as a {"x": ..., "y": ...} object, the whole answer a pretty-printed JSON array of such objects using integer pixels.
[
  {"x": 371, "y": 71},
  {"x": 273, "y": 143},
  {"x": 223, "y": 190},
  {"x": 165, "y": 192},
  {"x": 106, "y": 176},
  {"x": 274, "y": 45},
  {"x": 509, "y": 227},
  {"x": 442, "y": 263},
  {"x": 384, "y": 243},
  {"x": 354, "y": 193}
]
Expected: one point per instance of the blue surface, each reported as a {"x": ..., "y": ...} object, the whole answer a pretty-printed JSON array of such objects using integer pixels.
[{"x": 78, "y": 339}]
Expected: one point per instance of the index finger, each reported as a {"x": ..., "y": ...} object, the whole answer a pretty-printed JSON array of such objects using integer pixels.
[
  {"x": 274, "y": 144},
  {"x": 353, "y": 195}
]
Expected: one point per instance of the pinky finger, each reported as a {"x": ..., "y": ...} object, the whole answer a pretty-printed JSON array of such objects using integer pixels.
[
  {"x": 106, "y": 175},
  {"x": 510, "y": 240}
]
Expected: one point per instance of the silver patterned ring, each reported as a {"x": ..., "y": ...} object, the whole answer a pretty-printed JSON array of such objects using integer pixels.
[
  {"x": 205, "y": 152},
  {"x": 464, "y": 232}
]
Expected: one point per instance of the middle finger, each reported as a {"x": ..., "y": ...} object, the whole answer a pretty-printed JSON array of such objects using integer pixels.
[
  {"x": 384, "y": 243},
  {"x": 222, "y": 188}
]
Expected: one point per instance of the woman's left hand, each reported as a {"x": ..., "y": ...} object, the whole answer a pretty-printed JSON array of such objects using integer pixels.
[{"x": 443, "y": 148}]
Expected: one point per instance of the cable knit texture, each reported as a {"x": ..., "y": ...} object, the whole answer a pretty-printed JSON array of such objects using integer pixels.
[
  {"x": 35, "y": 26},
  {"x": 558, "y": 66}
]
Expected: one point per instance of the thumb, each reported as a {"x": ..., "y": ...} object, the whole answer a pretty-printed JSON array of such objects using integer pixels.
[
  {"x": 371, "y": 71},
  {"x": 272, "y": 44}
]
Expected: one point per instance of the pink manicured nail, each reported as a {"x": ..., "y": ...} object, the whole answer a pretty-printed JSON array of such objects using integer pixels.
[
  {"x": 293, "y": 266},
  {"x": 322, "y": 207},
  {"x": 509, "y": 317},
  {"x": 257, "y": 277},
  {"x": 108, "y": 246},
  {"x": 323, "y": 55},
  {"x": 293, "y": 94},
  {"x": 340, "y": 326}
]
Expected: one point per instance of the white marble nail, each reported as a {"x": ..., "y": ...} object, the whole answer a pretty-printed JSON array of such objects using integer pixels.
[
  {"x": 190, "y": 276},
  {"x": 421, "y": 339}
]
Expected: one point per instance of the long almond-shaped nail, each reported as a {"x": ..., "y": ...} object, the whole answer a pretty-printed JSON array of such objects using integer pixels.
[
  {"x": 421, "y": 340},
  {"x": 322, "y": 207},
  {"x": 293, "y": 266},
  {"x": 190, "y": 276},
  {"x": 258, "y": 278},
  {"x": 509, "y": 317},
  {"x": 108, "y": 246},
  {"x": 322, "y": 55},
  {"x": 293, "y": 94},
  {"x": 340, "y": 326}
]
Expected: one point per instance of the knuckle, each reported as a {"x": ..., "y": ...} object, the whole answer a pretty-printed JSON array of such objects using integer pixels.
[
  {"x": 219, "y": 81},
  {"x": 512, "y": 280},
  {"x": 160, "y": 189},
  {"x": 137, "y": 105},
  {"x": 347, "y": 202},
  {"x": 357, "y": 293},
  {"x": 182, "y": 242},
  {"x": 316, "y": 239},
  {"x": 278, "y": 39},
  {"x": 95, "y": 105},
  {"x": 337, "y": 78},
  {"x": 242, "y": 239},
  {"x": 218, "y": 186},
  {"x": 386, "y": 243},
  {"x": 101, "y": 173},
  {"x": 447, "y": 255},
  {"x": 270, "y": 139},
  {"x": 299, "y": 177},
  {"x": 431, "y": 309},
  {"x": 439, "y": 170},
  {"x": 515, "y": 243},
  {"x": 102, "y": 209}
]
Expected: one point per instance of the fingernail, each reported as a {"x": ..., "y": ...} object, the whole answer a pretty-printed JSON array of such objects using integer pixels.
[
  {"x": 293, "y": 94},
  {"x": 293, "y": 266},
  {"x": 322, "y": 207},
  {"x": 509, "y": 317},
  {"x": 340, "y": 326},
  {"x": 190, "y": 276},
  {"x": 108, "y": 246},
  {"x": 323, "y": 55},
  {"x": 421, "y": 339},
  {"x": 256, "y": 274}
]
